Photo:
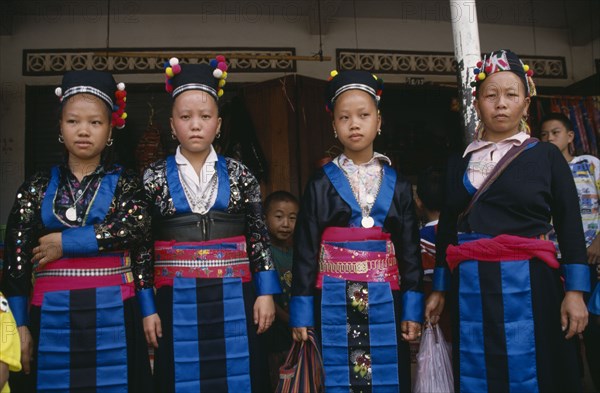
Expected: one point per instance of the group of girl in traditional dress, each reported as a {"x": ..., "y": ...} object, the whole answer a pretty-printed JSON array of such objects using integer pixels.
[{"x": 99, "y": 263}]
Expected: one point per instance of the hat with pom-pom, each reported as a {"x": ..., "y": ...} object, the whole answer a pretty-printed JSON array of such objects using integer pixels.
[
  {"x": 100, "y": 84},
  {"x": 503, "y": 60},
  {"x": 205, "y": 77},
  {"x": 340, "y": 82}
]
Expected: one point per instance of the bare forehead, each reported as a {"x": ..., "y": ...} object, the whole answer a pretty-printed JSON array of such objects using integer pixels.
[
  {"x": 195, "y": 98},
  {"x": 354, "y": 97},
  {"x": 503, "y": 80}
]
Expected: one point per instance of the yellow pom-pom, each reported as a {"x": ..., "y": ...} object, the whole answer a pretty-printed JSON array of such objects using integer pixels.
[
  {"x": 525, "y": 68},
  {"x": 224, "y": 76},
  {"x": 124, "y": 115},
  {"x": 222, "y": 83},
  {"x": 124, "y": 99},
  {"x": 481, "y": 76},
  {"x": 220, "y": 92},
  {"x": 169, "y": 72},
  {"x": 333, "y": 73}
]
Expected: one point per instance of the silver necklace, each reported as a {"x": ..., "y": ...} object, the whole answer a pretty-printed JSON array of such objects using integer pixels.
[
  {"x": 201, "y": 203},
  {"x": 71, "y": 212},
  {"x": 367, "y": 221}
]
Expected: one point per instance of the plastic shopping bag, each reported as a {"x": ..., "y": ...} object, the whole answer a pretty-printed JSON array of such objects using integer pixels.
[{"x": 434, "y": 363}]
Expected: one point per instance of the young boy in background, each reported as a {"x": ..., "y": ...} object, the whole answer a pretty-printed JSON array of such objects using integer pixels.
[{"x": 281, "y": 210}]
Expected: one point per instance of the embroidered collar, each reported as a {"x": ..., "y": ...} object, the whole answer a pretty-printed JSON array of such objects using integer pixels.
[
  {"x": 515, "y": 140},
  {"x": 343, "y": 161},
  {"x": 181, "y": 160}
]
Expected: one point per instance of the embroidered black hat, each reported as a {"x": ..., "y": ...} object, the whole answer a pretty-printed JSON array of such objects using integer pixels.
[
  {"x": 503, "y": 60},
  {"x": 205, "y": 77},
  {"x": 100, "y": 84},
  {"x": 340, "y": 82}
]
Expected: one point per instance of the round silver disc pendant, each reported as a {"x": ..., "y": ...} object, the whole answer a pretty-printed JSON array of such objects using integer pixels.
[
  {"x": 71, "y": 214},
  {"x": 367, "y": 222}
]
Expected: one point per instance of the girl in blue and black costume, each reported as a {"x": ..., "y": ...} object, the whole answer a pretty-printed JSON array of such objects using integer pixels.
[
  {"x": 357, "y": 276},
  {"x": 515, "y": 320},
  {"x": 214, "y": 272},
  {"x": 75, "y": 253}
]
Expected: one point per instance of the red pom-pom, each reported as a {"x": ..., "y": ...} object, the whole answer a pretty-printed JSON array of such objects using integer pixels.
[
  {"x": 530, "y": 72},
  {"x": 169, "y": 88},
  {"x": 488, "y": 69},
  {"x": 119, "y": 94},
  {"x": 479, "y": 64},
  {"x": 119, "y": 123},
  {"x": 220, "y": 58},
  {"x": 379, "y": 92}
]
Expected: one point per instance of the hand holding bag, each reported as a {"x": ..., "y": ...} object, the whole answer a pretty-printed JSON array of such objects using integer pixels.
[
  {"x": 434, "y": 363},
  {"x": 302, "y": 371}
]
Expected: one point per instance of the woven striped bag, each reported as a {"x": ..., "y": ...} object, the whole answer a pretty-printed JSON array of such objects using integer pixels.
[{"x": 302, "y": 371}]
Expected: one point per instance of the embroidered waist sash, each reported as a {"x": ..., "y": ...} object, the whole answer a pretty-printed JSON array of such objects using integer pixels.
[
  {"x": 211, "y": 259},
  {"x": 358, "y": 254},
  {"x": 83, "y": 273},
  {"x": 502, "y": 248}
]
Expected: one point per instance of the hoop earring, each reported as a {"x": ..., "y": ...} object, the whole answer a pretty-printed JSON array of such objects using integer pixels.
[
  {"x": 173, "y": 137},
  {"x": 109, "y": 142},
  {"x": 61, "y": 139},
  {"x": 218, "y": 134}
]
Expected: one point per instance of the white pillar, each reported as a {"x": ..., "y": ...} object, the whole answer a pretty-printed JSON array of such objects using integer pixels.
[{"x": 467, "y": 52}]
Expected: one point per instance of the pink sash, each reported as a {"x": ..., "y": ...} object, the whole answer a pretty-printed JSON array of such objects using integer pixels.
[
  {"x": 83, "y": 273},
  {"x": 356, "y": 262},
  {"x": 218, "y": 258}
]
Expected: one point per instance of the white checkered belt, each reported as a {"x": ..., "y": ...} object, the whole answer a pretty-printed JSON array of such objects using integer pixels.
[
  {"x": 82, "y": 272},
  {"x": 201, "y": 263},
  {"x": 355, "y": 267}
]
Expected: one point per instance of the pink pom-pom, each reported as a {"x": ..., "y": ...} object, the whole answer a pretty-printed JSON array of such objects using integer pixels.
[
  {"x": 222, "y": 66},
  {"x": 176, "y": 69}
]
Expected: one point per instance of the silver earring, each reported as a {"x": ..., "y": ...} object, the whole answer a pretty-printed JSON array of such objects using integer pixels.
[
  {"x": 218, "y": 134},
  {"x": 61, "y": 139},
  {"x": 335, "y": 134},
  {"x": 379, "y": 131},
  {"x": 109, "y": 142},
  {"x": 173, "y": 136}
]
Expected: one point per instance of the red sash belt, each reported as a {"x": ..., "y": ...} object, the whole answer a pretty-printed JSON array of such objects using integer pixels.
[
  {"x": 353, "y": 263},
  {"x": 82, "y": 273},
  {"x": 502, "y": 248},
  {"x": 218, "y": 258}
]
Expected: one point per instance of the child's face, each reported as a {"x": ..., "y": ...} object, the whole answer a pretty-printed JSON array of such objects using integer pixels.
[
  {"x": 555, "y": 132},
  {"x": 195, "y": 121},
  {"x": 501, "y": 104},
  {"x": 85, "y": 126},
  {"x": 281, "y": 220},
  {"x": 356, "y": 121}
]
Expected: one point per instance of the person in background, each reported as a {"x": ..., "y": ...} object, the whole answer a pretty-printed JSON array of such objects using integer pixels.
[
  {"x": 281, "y": 211},
  {"x": 10, "y": 345},
  {"x": 556, "y": 128}
]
